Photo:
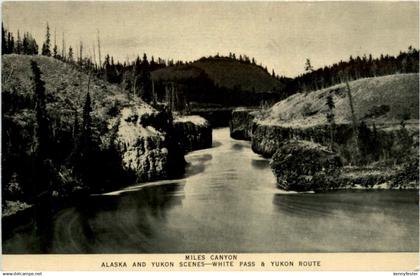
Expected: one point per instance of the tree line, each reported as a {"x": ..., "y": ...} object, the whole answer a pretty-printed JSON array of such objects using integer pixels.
[
  {"x": 353, "y": 69},
  {"x": 243, "y": 58},
  {"x": 25, "y": 45},
  {"x": 134, "y": 76}
]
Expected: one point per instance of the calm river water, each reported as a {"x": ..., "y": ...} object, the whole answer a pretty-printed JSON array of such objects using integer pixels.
[{"x": 227, "y": 202}]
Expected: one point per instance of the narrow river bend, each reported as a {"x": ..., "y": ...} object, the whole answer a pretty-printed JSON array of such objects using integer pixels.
[{"x": 227, "y": 202}]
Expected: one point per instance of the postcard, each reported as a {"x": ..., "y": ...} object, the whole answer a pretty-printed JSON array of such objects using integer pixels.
[{"x": 197, "y": 136}]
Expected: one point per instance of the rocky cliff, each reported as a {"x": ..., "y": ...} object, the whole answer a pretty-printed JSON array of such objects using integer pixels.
[
  {"x": 266, "y": 139},
  {"x": 145, "y": 144},
  {"x": 305, "y": 166},
  {"x": 193, "y": 133},
  {"x": 382, "y": 143},
  {"x": 133, "y": 141},
  {"x": 241, "y": 123}
]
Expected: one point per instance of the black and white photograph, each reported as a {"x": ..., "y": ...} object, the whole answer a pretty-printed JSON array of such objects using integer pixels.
[{"x": 219, "y": 128}]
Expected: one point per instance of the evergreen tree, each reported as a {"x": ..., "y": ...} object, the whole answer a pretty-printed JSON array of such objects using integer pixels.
[
  {"x": 25, "y": 44},
  {"x": 63, "y": 48},
  {"x": 10, "y": 43},
  {"x": 81, "y": 53},
  {"x": 146, "y": 84},
  {"x": 107, "y": 68},
  {"x": 331, "y": 118},
  {"x": 308, "y": 66},
  {"x": 70, "y": 56},
  {"x": 375, "y": 143},
  {"x": 145, "y": 62},
  {"x": 85, "y": 162},
  {"x": 19, "y": 48},
  {"x": 34, "y": 47},
  {"x": 46, "y": 46},
  {"x": 364, "y": 142},
  {"x": 146, "y": 93},
  {"x": 86, "y": 132},
  {"x": 152, "y": 64},
  {"x": 41, "y": 112},
  {"x": 55, "y": 49},
  {"x": 43, "y": 177},
  {"x": 3, "y": 40}
]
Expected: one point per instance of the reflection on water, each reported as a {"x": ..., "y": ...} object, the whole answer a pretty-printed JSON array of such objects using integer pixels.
[
  {"x": 216, "y": 144},
  {"x": 238, "y": 146},
  {"x": 227, "y": 202},
  {"x": 260, "y": 164},
  {"x": 354, "y": 220}
]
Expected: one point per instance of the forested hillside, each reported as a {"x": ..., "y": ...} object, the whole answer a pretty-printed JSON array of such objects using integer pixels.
[
  {"x": 56, "y": 128},
  {"x": 354, "y": 68},
  {"x": 221, "y": 81},
  {"x": 226, "y": 73}
]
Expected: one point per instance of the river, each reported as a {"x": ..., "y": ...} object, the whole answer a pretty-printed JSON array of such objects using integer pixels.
[{"x": 227, "y": 202}]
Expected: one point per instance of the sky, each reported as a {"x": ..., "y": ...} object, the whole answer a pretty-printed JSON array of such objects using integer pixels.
[{"x": 280, "y": 35}]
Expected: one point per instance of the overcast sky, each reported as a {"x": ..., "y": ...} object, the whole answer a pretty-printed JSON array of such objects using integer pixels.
[{"x": 281, "y": 35}]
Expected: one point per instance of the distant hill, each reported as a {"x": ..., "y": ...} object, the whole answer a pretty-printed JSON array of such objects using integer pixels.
[
  {"x": 386, "y": 100},
  {"x": 224, "y": 73},
  {"x": 220, "y": 82}
]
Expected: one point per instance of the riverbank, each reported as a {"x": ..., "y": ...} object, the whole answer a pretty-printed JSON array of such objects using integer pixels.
[
  {"x": 192, "y": 132},
  {"x": 219, "y": 184},
  {"x": 382, "y": 153},
  {"x": 129, "y": 140}
]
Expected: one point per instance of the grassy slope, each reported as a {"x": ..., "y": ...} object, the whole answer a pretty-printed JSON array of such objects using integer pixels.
[
  {"x": 66, "y": 88},
  {"x": 115, "y": 116},
  {"x": 224, "y": 73},
  {"x": 398, "y": 92}
]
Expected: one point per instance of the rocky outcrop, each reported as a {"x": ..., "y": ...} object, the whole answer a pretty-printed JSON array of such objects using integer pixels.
[
  {"x": 193, "y": 133},
  {"x": 305, "y": 166},
  {"x": 266, "y": 139},
  {"x": 377, "y": 178},
  {"x": 396, "y": 144},
  {"x": 241, "y": 123},
  {"x": 373, "y": 142},
  {"x": 146, "y": 143}
]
